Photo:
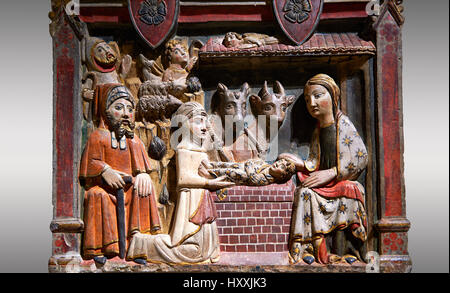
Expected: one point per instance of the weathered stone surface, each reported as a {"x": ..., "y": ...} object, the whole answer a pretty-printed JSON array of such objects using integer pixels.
[
  {"x": 241, "y": 265},
  {"x": 130, "y": 267}
]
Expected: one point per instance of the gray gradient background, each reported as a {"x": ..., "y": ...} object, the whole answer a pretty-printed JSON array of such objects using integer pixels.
[{"x": 26, "y": 147}]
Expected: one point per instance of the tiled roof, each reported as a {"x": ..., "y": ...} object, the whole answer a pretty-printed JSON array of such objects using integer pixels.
[{"x": 320, "y": 44}]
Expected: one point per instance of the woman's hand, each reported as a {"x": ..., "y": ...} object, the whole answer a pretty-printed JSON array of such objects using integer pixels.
[
  {"x": 218, "y": 183},
  {"x": 206, "y": 164},
  {"x": 202, "y": 171},
  {"x": 320, "y": 178},
  {"x": 143, "y": 185}
]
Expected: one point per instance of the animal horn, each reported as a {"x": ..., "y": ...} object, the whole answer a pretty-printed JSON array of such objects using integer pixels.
[
  {"x": 222, "y": 87},
  {"x": 278, "y": 88},
  {"x": 264, "y": 91},
  {"x": 244, "y": 87}
]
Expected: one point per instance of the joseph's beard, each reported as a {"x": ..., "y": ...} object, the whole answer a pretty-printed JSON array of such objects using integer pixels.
[
  {"x": 122, "y": 127},
  {"x": 126, "y": 130}
]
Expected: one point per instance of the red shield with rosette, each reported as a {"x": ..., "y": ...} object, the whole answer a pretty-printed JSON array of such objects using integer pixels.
[
  {"x": 298, "y": 18},
  {"x": 154, "y": 20}
]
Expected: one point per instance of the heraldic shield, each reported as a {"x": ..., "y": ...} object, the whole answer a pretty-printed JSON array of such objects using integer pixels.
[
  {"x": 298, "y": 18},
  {"x": 154, "y": 19}
]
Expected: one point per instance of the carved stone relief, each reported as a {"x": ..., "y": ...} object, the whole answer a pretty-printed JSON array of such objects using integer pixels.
[
  {"x": 297, "y": 11},
  {"x": 156, "y": 164}
]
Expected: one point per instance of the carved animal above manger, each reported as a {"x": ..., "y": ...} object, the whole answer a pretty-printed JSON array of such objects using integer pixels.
[{"x": 269, "y": 110}]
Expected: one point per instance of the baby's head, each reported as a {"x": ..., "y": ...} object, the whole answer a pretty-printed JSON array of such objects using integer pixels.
[
  {"x": 232, "y": 39},
  {"x": 282, "y": 170}
]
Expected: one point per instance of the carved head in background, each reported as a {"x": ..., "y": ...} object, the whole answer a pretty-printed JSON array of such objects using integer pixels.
[
  {"x": 225, "y": 102},
  {"x": 101, "y": 55},
  {"x": 268, "y": 104},
  {"x": 120, "y": 112},
  {"x": 177, "y": 53},
  {"x": 320, "y": 103}
]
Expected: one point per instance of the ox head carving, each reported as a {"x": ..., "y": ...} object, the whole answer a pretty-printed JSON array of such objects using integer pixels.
[{"x": 268, "y": 104}]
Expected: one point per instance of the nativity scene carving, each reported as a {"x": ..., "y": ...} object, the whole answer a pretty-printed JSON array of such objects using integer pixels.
[
  {"x": 228, "y": 136},
  {"x": 150, "y": 190}
]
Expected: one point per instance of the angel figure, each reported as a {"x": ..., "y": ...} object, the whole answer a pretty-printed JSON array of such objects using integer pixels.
[{"x": 172, "y": 71}]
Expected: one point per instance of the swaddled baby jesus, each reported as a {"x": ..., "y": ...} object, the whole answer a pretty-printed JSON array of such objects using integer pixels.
[{"x": 253, "y": 172}]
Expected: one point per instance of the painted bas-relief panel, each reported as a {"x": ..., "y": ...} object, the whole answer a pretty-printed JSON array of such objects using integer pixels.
[{"x": 227, "y": 137}]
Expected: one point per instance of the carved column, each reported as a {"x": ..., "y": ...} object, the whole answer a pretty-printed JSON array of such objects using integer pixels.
[
  {"x": 67, "y": 114},
  {"x": 392, "y": 224}
]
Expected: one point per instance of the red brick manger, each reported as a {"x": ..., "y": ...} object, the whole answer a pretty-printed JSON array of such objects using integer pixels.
[{"x": 255, "y": 219}]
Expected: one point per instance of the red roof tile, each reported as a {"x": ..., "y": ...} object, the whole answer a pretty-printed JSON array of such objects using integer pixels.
[{"x": 319, "y": 44}]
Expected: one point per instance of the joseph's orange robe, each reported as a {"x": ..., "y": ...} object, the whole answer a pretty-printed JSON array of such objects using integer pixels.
[{"x": 100, "y": 219}]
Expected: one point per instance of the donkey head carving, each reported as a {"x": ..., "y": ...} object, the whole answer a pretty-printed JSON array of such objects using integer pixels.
[{"x": 234, "y": 103}]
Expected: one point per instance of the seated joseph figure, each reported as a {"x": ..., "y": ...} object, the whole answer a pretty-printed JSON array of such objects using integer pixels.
[
  {"x": 329, "y": 203},
  {"x": 113, "y": 152}
]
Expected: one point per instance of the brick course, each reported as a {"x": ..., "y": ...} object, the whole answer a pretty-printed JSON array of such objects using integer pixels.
[{"x": 255, "y": 219}]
